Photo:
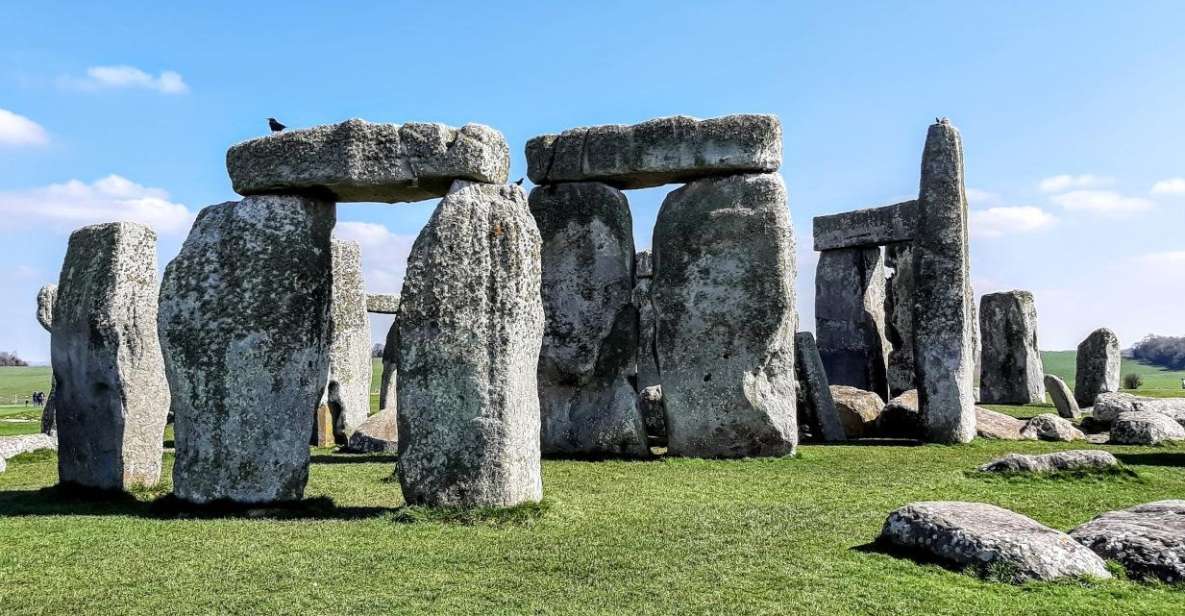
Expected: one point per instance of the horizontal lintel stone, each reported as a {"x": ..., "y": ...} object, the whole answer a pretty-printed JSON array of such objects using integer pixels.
[{"x": 870, "y": 227}]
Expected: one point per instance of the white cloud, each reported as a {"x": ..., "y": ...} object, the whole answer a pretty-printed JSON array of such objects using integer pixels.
[
  {"x": 1105, "y": 202},
  {"x": 123, "y": 76},
  {"x": 384, "y": 254},
  {"x": 16, "y": 129},
  {"x": 1174, "y": 258},
  {"x": 1171, "y": 186},
  {"x": 1060, "y": 183},
  {"x": 1002, "y": 221},
  {"x": 74, "y": 204},
  {"x": 977, "y": 197}
]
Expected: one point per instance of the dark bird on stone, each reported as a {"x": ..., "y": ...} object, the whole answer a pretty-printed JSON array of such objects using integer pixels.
[
  {"x": 519, "y": 182},
  {"x": 275, "y": 126}
]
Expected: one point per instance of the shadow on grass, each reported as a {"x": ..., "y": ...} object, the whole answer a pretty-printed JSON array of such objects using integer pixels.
[
  {"x": 1122, "y": 475},
  {"x": 1153, "y": 459},
  {"x": 352, "y": 458},
  {"x": 869, "y": 442}
]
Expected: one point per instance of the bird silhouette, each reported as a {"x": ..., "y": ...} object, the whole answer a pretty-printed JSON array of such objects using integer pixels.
[
  {"x": 519, "y": 182},
  {"x": 275, "y": 126}
]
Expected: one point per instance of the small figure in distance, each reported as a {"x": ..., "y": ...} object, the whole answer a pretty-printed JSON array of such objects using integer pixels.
[{"x": 275, "y": 126}]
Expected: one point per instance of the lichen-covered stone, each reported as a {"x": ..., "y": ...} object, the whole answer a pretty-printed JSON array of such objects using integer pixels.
[
  {"x": 1148, "y": 540},
  {"x": 850, "y": 318},
  {"x": 990, "y": 540},
  {"x": 1098, "y": 366},
  {"x": 858, "y": 410},
  {"x": 244, "y": 321},
  {"x": 358, "y": 160},
  {"x": 378, "y": 434},
  {"x": 382, "y": 303},
  {"x": 1051, "y": 462},
  {"x": 724, "y": 294},
  {"x": 994, "y": 425},
  {"x": 348, "y": 388},
  {"x": 648, "y": 374},
  {"x": 899, "y": 318},
  {"x": 814, "y": 395},
  {"x": 661, "y": 151},
  {"x": 943, "y": 303},
  {"x": 1145, "y": 428},
  {"x": 11, "y": 446},
  {"x": 1109, "y": 406},
  {"x": 1010, "y": 370},
  {"x": 867, "y": 228},
  {"x": 470, "y": 327},
  {"x": 590, "y": 342},
  {"x": 644, "y": 264},
  {"x": 1063, "y": 398},
  {"x": 1050, "y": 427},
  {"x": 389, "y": 380}
]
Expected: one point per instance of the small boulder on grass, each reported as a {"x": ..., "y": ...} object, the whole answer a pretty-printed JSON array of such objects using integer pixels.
[
  {"x": 993, "y": 425},
  {"x": 1081, "y": 460},
  {"x": 378, "y": 434},
  {"x": 900, "y": 418},
  {"x": 1050, "y": 427},
  {"x": 1145, "y": 428},
  {"x": 857, "y": 409},
  {"x": 1148, "y": 540}
]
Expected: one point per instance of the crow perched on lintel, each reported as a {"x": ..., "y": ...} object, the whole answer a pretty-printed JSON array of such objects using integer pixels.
[
  {"x": 275, "y": 126},
  {"x": 519, "y": 182}
]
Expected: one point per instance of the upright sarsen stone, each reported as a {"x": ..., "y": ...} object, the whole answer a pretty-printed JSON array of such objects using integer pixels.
[
  {"x": 348, "y": 389},
  {"x": 724, "y": 295},
  {"x": 390, "y": 377},
  {"x": 814, "y": 393},
  {"x": 590, "y": 342},
  {"x": 112, "y": 398},
  {"x": 46, "y": 298},
  {"x": 943, "y": 303},
  {"x": 1010, "y": 365},
  {"x": 244, "y": 322},
  {"x": 899, "y": 318},
  {"x": 850, "y": 318},
  {"x": 1098, "y": 366},
  {"x": 470, "y": 327}
]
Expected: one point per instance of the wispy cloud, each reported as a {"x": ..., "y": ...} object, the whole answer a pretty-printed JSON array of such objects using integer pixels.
[
  {"x": 1174, "y": 258},
  {"x": 384, "y": 254},
  {"x": 1061, "y": 183},
  {"x": 1171, "y": 186},
  {"x": 127, "y": 77},
  {"x": 75, "y": 203},
  {"x": 1003, "y": 221},
  {"x": 1103, "y": 202},
  {"x": 982, "y": 198},
  {"x": 17, "y": 130}
]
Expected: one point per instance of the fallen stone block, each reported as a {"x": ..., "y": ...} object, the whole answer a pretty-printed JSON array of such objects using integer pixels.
[
  {"x": 1148, "y": 540},
  {"x": 1050, "y": 427},
  {"x": 901, "y": 418},
  {"x": 378, "y": 434},
  {"x": 1145, "y": 428},
  {"x": 858, "y": 410},
  {"x": 994, "y": 425},
  {"x": 1109, "y": 406},
  {"x": 1051, "y": 462},
  {"x": 11, "y": 446}
]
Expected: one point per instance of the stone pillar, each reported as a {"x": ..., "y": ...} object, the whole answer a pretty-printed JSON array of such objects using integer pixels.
[
  {"x": 390, "y": 378},
  {"x": 590, "y": 342},
  {"x": 348, "y": 388},
  {"x": 112, "y": 398},
  {"x": 724, "y": 295},
  {"x": 46, "y": 298},
  {"x": 850, "y": 318},
  {"x": 814, "y": 394},
  {"x": 244, "y": 321},
  {"x": 648, "y": 378},
  {"x": 899, "y": 318},
  {"x": 470, "y": 326},
  {"x": 1010, "y": 365},
  {"x": 1098, "y": 366},
  {"x": 943, "y": 304}
]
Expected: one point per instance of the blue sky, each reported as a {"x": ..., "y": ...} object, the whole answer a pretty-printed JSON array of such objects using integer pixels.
[{"x": 1072, "y": 113}]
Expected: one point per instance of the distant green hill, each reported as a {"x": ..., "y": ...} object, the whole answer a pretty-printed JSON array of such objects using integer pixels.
[{"x": 1062, "y": 364}]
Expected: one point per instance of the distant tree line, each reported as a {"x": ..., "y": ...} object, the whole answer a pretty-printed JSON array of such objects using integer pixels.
[
  {"x": 1164, "y": 351},
  {"x": 10, "y": 359}
]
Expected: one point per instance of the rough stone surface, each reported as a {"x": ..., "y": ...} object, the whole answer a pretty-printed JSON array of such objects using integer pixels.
[
  {"x": 653, "y": 414},
  {"x": 323, "y": 433},
  {"x": 1148, "y": 540},
  {"x": 850, "y": 318},
  {"x": 470, "y": 326},
  {"x": 1063, "y": 398},
  {"x": 814, "y": 395},
  {"x": 378, "y": 434},
  {"x": 111, "y": 396},
  {"x": 1050, "y": 427},
  {"x": 350, "y": 372},
  {"x": 669, "y": 150},
  {"x": 644, "y": 264},
  {"x": 16, "y": 445},
  {"x": 858, "y": 410},
  {"x": 724, "y": 295},
  {"x": 1051, "y": 462},
  {"x": 899, "y": 318},
  {"x": 1098, "y": 366},
  {"x": 244, "y": 322},
  {"x": 867, "y": 228},
  {"x": 901, "y": 418},
  {"x": 943, "y": 301},
  {"x": 1145, "y": 428},
  {"x": 388, "y": 393},
  {"x": 46, "y": 298},
  {"x": 358, "y": 160},
  {"x": 1010, "y": 370},
  {"x": 994, "y": 425},
  {"x": 990, "y": 539},
  {"x": 590, "y": 342},
  {"x": 1109, "y": 406},
  {"x": 382, "y": 303},
  {"x": 648, "y": 374}
]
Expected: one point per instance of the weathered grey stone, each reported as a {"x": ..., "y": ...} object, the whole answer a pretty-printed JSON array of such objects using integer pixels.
[
  {"x": 1010, "y": 370},
  {"x": 648, "y": 374},
  {"x": 899, "y": 318},
  {"x": 46, "y": 298},
  {"x": 1051, "y": 462},
  {"x": 382, "y": 303},
  {"x": 348, "y": 387},
  {"x": 1098, "y": 366},
  {"x": 1148, "y": 540},
  {"x": 1109, "y": 406},
  {"x": 644, "y": 264},
  {"x": 653, "y": 414},
  {"x": 1145, "y": 428},
  {"x": 900, "y": 418},
  {"x": 388, "y": 392},
  {"x": 724, "y": 294},
  {"x": 858, "y": 410},
  {"x": 669, "y": 150},
  {"x": 244, "y": 322},
  {"x": 112, "y": 399},
  {"x": 11, "y": 446},
  {"x": 991, "y": 540},
  {"x": 470, "y": 327},
  {"x": 358, "y": 160},
  {"x": 1063, "y": 398},
  {"x": 814, "y": 394},
  {"x": 1050, "y": 427},
  {"x": 378, "y": 434},
  {"x": 867, "y": 228},
  {"x": 994, "y": 425},
  {"x": 943, "y": 302},
  {"x": 850, "y": 318}
]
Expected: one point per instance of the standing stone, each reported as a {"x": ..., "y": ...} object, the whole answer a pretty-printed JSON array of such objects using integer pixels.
[
  {"x": 899, "y": 318},
  {"x": 470, "y": 327},
  {"x": 648, "y": 374},
  {"x": 1063, "y": 398},
  {"x": 388, "y": 392},
  {"x": 644, "y": 264},
  {"x": 942, "y": 325},
  {"x": 850, "y": 318},
  {"x": 590, "y": 341},
  {"x": 815, "y": 395},
  {"x": 112, "y": 398},
  {"x": 348, "y": 389},
  {"x": 46, "y": 298},
  {"x": 244, "y": 321},
  {"x": 724, "y": 295},
  {"x": 1098, "y": 366},
  {"x": 1010, "y": 369}
]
